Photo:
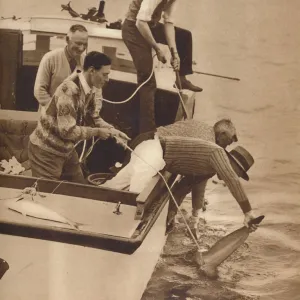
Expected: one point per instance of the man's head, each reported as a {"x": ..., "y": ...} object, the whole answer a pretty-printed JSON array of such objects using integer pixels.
[
  {"x": 225, "y": 133},
  {"x": 77, "y": 40},
  {"x": 96, "y": 69}
]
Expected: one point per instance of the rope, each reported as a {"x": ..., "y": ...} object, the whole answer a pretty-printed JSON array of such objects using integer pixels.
[
  {"x": 134, "y": 93},
  {"x": 169, "y": 190},
  {"x": 122, "y": 102},
  {"x": 94, "y": 142},
  {"x": 83, "y": 150}
]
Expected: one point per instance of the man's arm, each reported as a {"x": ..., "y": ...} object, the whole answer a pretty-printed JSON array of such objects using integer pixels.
[
  {"x": 66, "y": 118},
  {"x": 221, "y": 164},
  {"x": 42, "y": 81},
  {"x": 144, "y": 16},
  {"x": 96, "y": 108},
  {"x": 169, "y": 25}
]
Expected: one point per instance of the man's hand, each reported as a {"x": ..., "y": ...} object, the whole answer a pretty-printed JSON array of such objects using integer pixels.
[
  {"x": 104, "y": 133},
  {"x": 120, "y": 136},
  {"x": 248, "y": 217},
  {"x": 160, "y": 55},
  {"x": 175, "y": 61}
]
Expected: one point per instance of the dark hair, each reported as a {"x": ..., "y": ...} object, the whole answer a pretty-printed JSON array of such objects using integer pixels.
[
  {"x": 97, "y": 60},
  {"x": 77, "y": 27}
]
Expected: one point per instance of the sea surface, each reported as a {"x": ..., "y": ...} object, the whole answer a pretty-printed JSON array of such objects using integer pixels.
[{"x": 257, "y": 41}]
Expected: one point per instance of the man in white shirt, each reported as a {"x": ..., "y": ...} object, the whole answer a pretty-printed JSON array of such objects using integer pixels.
[{"x": 143, "y": 32}]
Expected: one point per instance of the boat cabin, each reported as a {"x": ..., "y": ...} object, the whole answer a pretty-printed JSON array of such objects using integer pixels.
[{"x": 23, "y": 43}]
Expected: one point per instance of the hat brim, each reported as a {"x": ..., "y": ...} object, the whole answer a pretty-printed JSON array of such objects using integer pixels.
[{"x": 237, "y": 167}]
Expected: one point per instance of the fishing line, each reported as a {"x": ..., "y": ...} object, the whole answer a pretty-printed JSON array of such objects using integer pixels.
[
  {"x": 122, "y": 102},
  {"x": 169, "y": 190},
  {"x": 94, "y": 142},
  {"x": 57, "y": 186},
  {"x": 112, "y": 102}
]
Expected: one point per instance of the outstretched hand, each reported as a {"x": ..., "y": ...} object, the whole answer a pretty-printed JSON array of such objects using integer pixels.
[
  {"x": 247, "y": 221},
  {"x": 120, "y": 137},
  {"x": 104, "y": 133}
]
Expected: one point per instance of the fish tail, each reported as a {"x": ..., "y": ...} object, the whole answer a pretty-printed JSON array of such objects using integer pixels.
[{"x": 75, "y": 226}]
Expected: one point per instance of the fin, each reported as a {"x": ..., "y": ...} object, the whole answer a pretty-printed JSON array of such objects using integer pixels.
[
  {"x": 21, "y": 213},
  {"x": 4, "y": 266},
  {"x": 75, "y": 225},
  {"x": 257, "y": 220}
]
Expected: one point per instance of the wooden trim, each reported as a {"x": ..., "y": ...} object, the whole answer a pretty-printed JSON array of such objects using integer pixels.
[
  {"x": 70, "y": 189},
  {"x": 153, "y": 191}
]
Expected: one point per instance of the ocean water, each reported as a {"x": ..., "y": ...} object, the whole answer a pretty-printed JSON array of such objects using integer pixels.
[{"x": 257, "y": 41}]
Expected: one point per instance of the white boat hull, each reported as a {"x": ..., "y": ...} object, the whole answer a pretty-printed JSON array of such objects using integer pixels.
[{"x": 52, "y": 271}]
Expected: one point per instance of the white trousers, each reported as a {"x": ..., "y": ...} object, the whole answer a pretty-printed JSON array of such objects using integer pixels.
[{"x": 145, "y": 162}]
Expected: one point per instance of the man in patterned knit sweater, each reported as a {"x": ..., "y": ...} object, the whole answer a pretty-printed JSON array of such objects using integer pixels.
[
  {"x": 196, "y": 151},
  {"x": 71, "y": 116}
]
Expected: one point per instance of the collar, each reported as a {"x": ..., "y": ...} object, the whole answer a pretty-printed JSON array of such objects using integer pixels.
[
  {"x": 68, "y": 55},
  {"x": 86, "y": 88}
]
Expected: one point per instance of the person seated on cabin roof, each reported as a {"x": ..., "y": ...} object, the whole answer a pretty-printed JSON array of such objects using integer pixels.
[
  {"x": 58, "y": 64},
  {"x": 195, "y": 150},
  {"x": 71, "y": 116},
  {"x": 142, "y": 32}
]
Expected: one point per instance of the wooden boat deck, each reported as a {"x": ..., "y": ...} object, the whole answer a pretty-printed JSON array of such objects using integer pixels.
[{"x": 94, "y": 215}]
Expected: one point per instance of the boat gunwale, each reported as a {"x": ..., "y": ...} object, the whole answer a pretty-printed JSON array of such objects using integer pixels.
[{"x": 71, "y": 236}]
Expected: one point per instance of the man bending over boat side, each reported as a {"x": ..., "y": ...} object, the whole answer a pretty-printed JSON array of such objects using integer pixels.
[
  {"x": 196, "y": 151},
  {"x": 71, "y": 116}
]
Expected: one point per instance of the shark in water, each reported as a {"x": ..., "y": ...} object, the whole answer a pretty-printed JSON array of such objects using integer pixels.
[{"x": 221, "y": 250}]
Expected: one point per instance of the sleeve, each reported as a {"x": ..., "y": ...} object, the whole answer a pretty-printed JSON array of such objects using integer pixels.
[
  {"x": 221, "y": 164},
  {"x": 66, "y": 117},
  {"x": 168, "y": 14},
  {"x": 95, "y": 108},
  {"x": 146, "y": 10},
  {"x": 42, "y": 81}
]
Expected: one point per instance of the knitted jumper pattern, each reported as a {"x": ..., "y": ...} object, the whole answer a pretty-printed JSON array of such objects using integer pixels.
[
  {"x": 63, "y": 122},
  {"x": 197, "y": 157}
]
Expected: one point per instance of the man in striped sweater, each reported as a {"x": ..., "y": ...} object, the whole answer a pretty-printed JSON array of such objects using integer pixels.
[
  {"x": 72, "y": 115},
  {"x": 196, "y": 151}
]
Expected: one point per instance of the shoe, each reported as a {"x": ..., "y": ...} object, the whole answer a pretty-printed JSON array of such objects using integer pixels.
[
  {"x": 170, "y": 226},
  {"x": 187, "y": 85}
]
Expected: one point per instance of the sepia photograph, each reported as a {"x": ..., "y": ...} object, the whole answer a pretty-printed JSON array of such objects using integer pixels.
[{"x": 149, "y": 150}]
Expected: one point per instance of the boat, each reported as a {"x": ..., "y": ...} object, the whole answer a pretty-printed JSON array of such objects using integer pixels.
[{"x": 121, "y": 234}]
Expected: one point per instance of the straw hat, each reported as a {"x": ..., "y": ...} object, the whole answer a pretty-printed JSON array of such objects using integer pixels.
[{"x": 241, "y": 161}]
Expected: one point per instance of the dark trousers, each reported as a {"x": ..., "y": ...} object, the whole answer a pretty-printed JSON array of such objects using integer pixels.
[
  {"x": 187, "y": 184},
  {"x": 141, "y": 53},
  {"x": 194, "y": 184},
  {"x": 50, "y": 166}
]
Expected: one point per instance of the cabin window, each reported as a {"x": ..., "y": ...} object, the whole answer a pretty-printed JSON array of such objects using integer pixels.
[{"x": 35, "y": 46}]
